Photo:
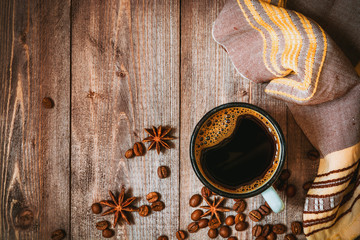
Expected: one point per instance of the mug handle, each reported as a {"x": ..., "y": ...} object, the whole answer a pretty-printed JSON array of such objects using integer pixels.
[{"x": 273, "y": 199}]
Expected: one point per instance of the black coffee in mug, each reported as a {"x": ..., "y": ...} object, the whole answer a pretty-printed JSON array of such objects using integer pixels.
[
  {"x": 237, "y": 150},
  {"x": 243, "y": 157}
]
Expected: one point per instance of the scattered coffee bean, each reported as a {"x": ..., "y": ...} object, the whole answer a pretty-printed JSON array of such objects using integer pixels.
[
  {"x": 180, "y": 235},
  {"x": 195, "y": 200},
  {"x": 271, "y": 236},
  {"x": 240, "y": 218},
  {"x": 260, "y": 238},
  {"x": 279, "y": 229},
  {"x": 193, "y": 227},
  {"x": 205, "y": 192},
  {"x": 266, "y": 230},
  {"x": 232, "y": 238},
  {"x": 138, "y": 149},
  {"x": 203, "y": 223},
  {"x": 152, "y": 197},
  {"x": 285, "y": 174},
  {"x": 96, "y": 208},
  {"x": 144, "y": 210},
  {"x": 225, "y": 231},
  {"x": 102, "y": 225},
  {"x": 24, "y": 219},
  {"x": 157, "y": 206},
  {"x": 257, "y": 230},
  {"x": 47, "y": 102},
  {"x": 214, "y": 223},
  {"x": 230, "y": 220},
  {"x": 280, "y": 185},
  {"x": 296, "y": 228},
  {"x": 255, "y": 215},
  {"x": 290, "y": 191},
  {"x": 196, "y": 215},
  {"x": 307, "y": 186},
  {"x": 58, "y": 234},
  {"x": 163, "y": 172},
  {"x": 289, "y": 237},
  {"x": 313, "y": 155},
  {"x": 239, "y": 206},
  {"x": 237, "y": 199},
  {"x": 241, "y": 226},
  {"x": 108, "y": 233},
  {"x": 129, "y": 153},
  {"x": 163, "y": 238},
  {"x": 213, "y": 233},
  {"x": 264, "y": 210}
]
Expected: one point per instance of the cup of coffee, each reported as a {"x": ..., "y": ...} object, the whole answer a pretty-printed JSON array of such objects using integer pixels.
[{"x": 237, "y": 150}]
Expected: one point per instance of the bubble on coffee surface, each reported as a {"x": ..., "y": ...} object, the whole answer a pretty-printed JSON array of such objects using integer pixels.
[{"x": 219, "y": 127}]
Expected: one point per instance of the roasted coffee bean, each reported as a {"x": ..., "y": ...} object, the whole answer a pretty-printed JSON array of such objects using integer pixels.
[
  {"x": 290, "y": 191},
  {"x": 24, "y": 219},
  {"x": 225, "y": 231},
  {"x": 240, "y": 218},
  {"x": 102, "y": 225},
  {"x": 279, "y": 229},
  {"x": 47, "y": 102},
  {"x": 157, "y": 206},
  {"x": 237, "y": 199},
  {"x": 289, "y": 237},
  {"x": 241, "y": 226},
  {"x": 285, "y": 174},
  {"x": 193, "y": 227},
  {"x": 205, "y": 192},
  {"x": 307, "y": 186},
  {"x": 138, "y": 149},
  {"x": 266, "y": 230},
  {"x": 296, "y": 228},
  {"x": 195, "y": 200},
  {"x": 260, "y": 238},
  {"x": 203, "y": 222},
  {"x": 144, "y": 210},
  {"x": 313, "y": 155},
  {"x": 180, "y": 235},
  {"x": 108, "y": 233},
  {"x": 214, "y": 223},
  {"x": 163, "y": 172},
  {"x": 196, "y": 215},
  {"x": 239, "y": 206},
  {"x": 264, "y": 210},
  {"x": 58, "y": 234},
  {"x": 232, "y": 238},
  {"x": 129, "y": 153},
  {"x": 280, "y": 185},
  {"x": 230, "y": 220},
  {"x": 163, "y": 238},
  {"x": 96, "y": 208},
  {"x": 271, "y": 236},
  {"x": 256, "y": 230},
  {"x": 255, "y": 215},
  {"x": 152, "y": 197},
  {"x": 213, "y": 233}
]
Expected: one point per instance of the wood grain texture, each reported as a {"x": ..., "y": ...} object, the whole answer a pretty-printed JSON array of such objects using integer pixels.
[
  {"x": 34, "y": 142},
  {"x": 125, "y": 65}
]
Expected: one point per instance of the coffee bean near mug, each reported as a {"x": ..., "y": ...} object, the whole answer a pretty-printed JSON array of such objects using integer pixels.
[{"x": 237, "y": 150}]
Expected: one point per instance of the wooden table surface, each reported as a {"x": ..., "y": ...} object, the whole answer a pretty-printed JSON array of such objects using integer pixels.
[{"x": 114, "y": 68}]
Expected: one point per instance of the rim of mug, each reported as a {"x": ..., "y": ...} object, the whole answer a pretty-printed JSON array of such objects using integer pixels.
[{"x": 282, "y": 153}]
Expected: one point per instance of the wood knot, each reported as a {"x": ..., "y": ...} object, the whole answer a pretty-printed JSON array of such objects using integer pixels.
[
  {"x": 24, "y": 219},
  {"x": 48, "y": 102},
  {"x": 121, "y": 74}
]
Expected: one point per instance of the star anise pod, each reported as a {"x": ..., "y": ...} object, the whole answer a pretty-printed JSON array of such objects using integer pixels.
[
  {"x": 119, "y": 207},
  {"x": 157, "y": 138},
  {"x": 214, "y": 208}
]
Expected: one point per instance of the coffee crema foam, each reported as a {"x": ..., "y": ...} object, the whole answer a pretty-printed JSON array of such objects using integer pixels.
[{"x": 219, "y": 127}]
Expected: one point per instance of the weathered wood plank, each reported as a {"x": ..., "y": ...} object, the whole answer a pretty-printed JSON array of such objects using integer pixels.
[
  {"x": 125, "y": 64},
  {"x": 208, "y": 79},
  {"x": 34, "y": 141}
]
